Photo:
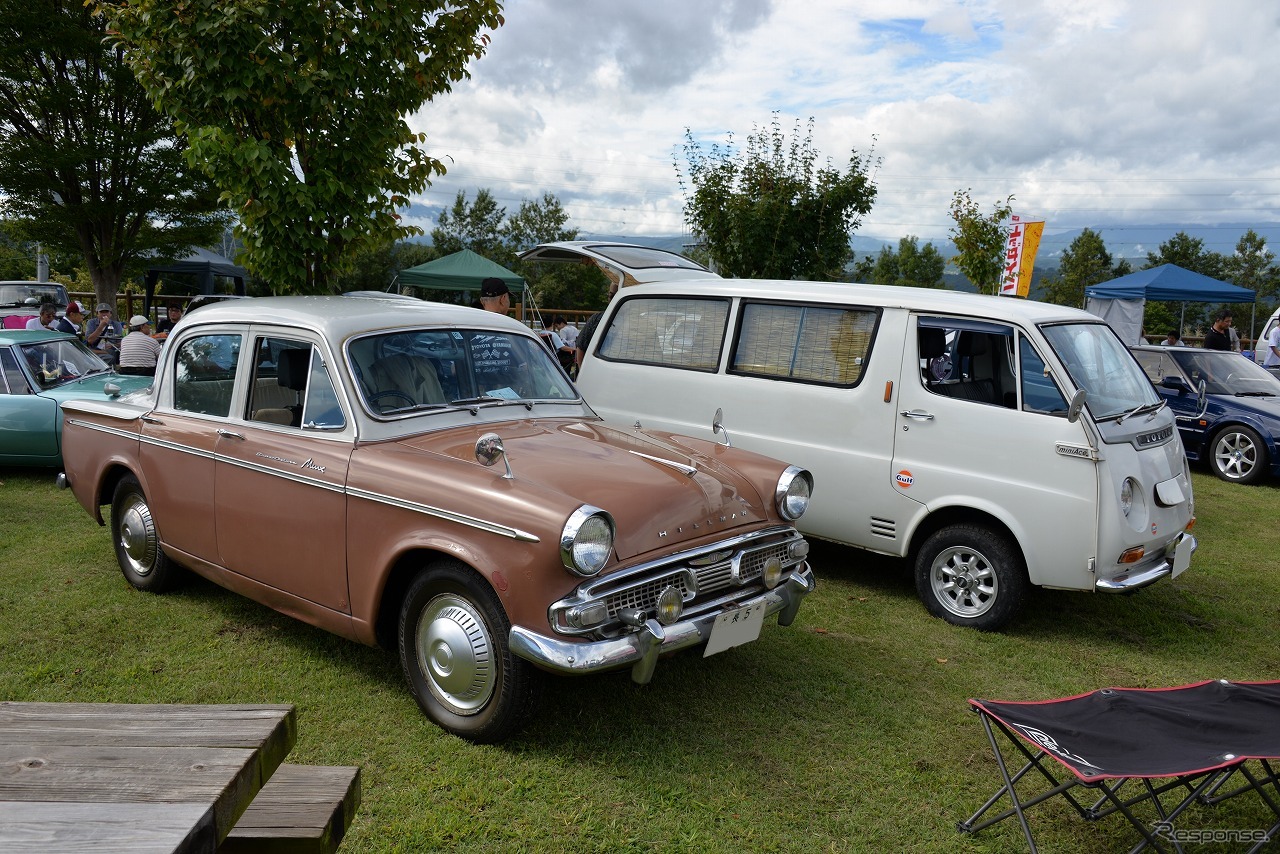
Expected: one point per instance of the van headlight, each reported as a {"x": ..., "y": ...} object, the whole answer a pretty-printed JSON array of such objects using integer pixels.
[
  {"x": 1126, "y": 495},
  {"x": 792, "y": 493},
  {"x": 586, "y": 541}
]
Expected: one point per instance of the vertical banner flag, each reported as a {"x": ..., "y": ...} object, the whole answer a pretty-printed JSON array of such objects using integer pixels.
[{"x": 1020, "y": 257}]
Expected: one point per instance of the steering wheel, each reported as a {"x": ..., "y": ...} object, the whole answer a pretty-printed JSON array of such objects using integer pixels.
[{"x": 391, "y": 392}]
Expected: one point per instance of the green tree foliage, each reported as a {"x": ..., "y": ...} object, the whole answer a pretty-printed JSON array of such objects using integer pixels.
[
  {"x": 1253, "y": 266},
  {"x": 476, "y": 226},
  {"x": 770, "y": 210},
  {"x": 296, "y": 111},
  {"x": 911, "y": 266},
  {"x": 88, "y": 168},
  {"x": 1085, "y": 262},
  {"x": 980, "y": 240}
]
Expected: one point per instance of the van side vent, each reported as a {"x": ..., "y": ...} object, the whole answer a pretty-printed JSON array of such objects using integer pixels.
[{"x": 884, "y": 528}]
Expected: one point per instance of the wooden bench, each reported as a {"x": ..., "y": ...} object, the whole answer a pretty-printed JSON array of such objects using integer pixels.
[{"x": 302, "y": 809}]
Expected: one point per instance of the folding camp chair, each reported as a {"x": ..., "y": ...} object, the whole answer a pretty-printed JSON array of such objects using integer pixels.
[{"x": 1163, "y": 749}]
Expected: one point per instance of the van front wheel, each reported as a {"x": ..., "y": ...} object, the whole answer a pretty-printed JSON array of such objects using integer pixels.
[{"x": 971, "y": 576}]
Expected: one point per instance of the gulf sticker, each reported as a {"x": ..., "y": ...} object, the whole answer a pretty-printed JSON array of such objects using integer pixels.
[{"x": 904, "y": 479}]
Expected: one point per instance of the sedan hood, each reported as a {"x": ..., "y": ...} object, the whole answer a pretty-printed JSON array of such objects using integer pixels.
[
  {"x": 687, "y": 496},
  {"x": 93, "y": 387}
]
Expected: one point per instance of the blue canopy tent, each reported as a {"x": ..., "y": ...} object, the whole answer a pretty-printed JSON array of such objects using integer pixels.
[{"x": 1120, "y": 301}]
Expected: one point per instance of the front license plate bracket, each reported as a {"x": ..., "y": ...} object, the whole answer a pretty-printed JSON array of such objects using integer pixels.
[{"x": 735, "y": 627}]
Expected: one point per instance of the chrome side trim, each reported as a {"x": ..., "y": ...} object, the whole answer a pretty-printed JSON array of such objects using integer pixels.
[
  {"x": 113, "y": 431},
  {"x": 426, "y": 509},
  {"x": 687, "y": 471},
  {"x": 441, "y": 513}
]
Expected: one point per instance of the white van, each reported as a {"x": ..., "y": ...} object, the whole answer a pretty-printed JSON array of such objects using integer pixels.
[{"x": 994, "y": 442}]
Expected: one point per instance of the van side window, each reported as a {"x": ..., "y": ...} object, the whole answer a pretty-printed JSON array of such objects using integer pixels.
[
  {"x": 810, "y": 343},
  {"x": 968, "y": 360},
  {"x": 677, "y": 332},
  {"x": 1039, "y": 392}
]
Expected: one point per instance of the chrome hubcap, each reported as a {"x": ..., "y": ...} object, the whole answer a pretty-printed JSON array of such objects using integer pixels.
[
  {"x": 455, "y": 654},
  {"x": 964, "y": 582},
  {"x": 138, "y": 536}
]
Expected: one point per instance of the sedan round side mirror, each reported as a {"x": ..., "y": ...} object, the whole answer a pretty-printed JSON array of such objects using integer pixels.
[{"x": 489, "y": 449}]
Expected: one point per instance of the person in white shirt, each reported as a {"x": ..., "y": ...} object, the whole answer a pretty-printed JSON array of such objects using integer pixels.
[
  {"x": 1273, "y": 349},
  {"x": 568, "y": 333},
  {"x": 139, "y": 352},
  {"x": 44, "y": 320}
]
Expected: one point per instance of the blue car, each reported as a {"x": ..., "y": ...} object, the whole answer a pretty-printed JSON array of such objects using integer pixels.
[
  {"x": 38, "y": 371},
  {"x": 1227, "y": 408}
]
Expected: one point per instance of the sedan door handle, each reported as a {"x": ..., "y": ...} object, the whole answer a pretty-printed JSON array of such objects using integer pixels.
[
  {"x": 227, "y": 434},
  {"x": 917, "y": 414},
  {"x": 151, "y": 419}
]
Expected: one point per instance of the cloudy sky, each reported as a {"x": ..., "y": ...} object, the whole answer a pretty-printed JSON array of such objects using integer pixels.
[{"x": 1091, "y": 113}]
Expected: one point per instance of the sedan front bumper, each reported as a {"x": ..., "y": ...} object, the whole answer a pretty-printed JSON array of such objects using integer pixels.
[{"x": 640, "y": 649}]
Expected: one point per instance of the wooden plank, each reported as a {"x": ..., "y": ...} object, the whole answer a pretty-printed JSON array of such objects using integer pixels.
[
  {"x": 94, "y": 828},
  {"x": 303, "y": 809},
  {"x": 219, "y": 756}
]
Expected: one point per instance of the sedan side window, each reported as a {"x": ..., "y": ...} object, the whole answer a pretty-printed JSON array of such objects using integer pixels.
[
  {"x": 205, "y": 374},
  {"x": 291, "y": 387}
]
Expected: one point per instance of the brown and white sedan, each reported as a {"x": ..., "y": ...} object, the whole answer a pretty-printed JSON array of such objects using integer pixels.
[{"x": 425, "y": 477}]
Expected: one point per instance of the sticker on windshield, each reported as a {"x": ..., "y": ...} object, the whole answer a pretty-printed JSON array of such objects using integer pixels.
[{"x": 904, "y": 479}]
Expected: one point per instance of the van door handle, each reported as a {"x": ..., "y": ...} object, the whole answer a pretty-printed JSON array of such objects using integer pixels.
[{"x": 917, "y": 414}]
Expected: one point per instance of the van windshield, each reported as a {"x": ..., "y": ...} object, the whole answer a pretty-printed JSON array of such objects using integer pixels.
[{"x": 1103, "y": 367}]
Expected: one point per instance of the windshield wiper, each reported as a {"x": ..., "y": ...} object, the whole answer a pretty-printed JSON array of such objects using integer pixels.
[
  {"x": 1255, "y": 394},
  {"x": 473, "y": 401},
  {"x": 417, "y": 407},
  {"x": 1141, "y": 408}
]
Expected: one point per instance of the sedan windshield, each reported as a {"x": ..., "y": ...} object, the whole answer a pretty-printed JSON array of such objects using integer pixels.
[
  {"x": 422, "y": 370},
  {"x": 31, "y": 295},
  {"x": 62, "y": 360},
  {"x": 1225, "y": 373},
  {"x": 1098, "y": 363}
]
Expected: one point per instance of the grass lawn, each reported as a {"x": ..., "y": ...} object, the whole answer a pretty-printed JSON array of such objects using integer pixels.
[{"x": 848, "y": 731}]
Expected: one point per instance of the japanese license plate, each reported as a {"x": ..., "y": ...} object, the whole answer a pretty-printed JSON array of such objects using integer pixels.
[
  {"x": 734, "y": 628},
  {"x": 1181, "y": 556}
]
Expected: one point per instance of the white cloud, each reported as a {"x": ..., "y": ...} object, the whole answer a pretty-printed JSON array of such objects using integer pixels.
[{"x": 1090, "y": 114}]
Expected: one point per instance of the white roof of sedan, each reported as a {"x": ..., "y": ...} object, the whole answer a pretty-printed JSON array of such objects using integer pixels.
[
  {"x": 339, "y": 317},
  {"x": 886, "y": 296}
]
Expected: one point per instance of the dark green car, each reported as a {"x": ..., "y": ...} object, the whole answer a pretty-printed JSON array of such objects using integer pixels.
[{"x": 39, "y": 370}]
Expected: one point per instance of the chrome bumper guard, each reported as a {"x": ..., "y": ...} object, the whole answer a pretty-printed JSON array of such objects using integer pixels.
[
  {"x": 641, "y": 648},
  {"x": 1145, "y": 577}
]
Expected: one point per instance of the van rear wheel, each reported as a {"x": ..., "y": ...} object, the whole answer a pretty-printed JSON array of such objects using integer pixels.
[{"x": 971, "y": 576}]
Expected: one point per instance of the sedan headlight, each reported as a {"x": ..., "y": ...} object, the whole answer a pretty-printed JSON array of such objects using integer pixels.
[
  {"x": 586, "y": 541},
  {"x": 792, "y": 493}
]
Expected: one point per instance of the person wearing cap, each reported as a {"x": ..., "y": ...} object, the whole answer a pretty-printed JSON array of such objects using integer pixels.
[
  {"x": 495, "y": 295},
  {"x": 492, "y": 354},
  {"x": 71, "y": 320},
  {"x": 103, "y": 334},
  {"x": 139, "y": 352}
]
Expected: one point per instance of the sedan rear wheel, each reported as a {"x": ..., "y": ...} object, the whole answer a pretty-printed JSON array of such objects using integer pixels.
[
  {"x": 1239, "y": 455},
  {"x": 137, "y": 541}
]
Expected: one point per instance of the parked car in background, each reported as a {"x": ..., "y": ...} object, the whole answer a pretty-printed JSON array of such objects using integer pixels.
[
  {"x": 40, "y": 371},
  {"x": 21, "y": 301},
  {"x": 426, "y": 477},
  {"x": 1227, "y": 408},
  {"x": 624, "y": 263},
  {"x": 994, "y": 443}
]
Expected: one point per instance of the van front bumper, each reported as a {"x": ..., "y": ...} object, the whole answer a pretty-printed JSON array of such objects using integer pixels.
[
  {"x": 1147, "y": 575},
  {"x": 640, "y": 649}
]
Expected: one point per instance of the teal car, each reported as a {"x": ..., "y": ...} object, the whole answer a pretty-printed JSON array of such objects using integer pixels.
[{"x": 38, "y": 371}]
